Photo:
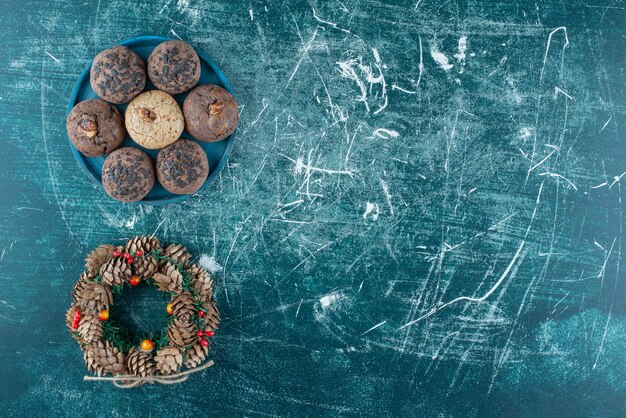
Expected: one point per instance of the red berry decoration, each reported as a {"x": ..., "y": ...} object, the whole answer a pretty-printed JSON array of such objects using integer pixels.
[
  {"x": 201, "y": 314},
  {"x": 199, "y": 333},
  {"x": 204, "y": 342},
  {"x": 134, "y": 281},
  {"x": 117, "y": 253},
  {"x": 76, "y": 319},
  {"x": 139, "y": 253},
  {"x": 130, "y": 260},
  {"x": 209, "y": 333}
]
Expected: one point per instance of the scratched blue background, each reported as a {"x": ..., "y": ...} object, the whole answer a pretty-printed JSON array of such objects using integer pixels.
[{"x": 422, "y": 214}]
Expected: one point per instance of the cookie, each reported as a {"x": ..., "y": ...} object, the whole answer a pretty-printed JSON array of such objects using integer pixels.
[
  {"x": 182, "y": 167},
  {"x": 118, "y": 74},
  {"x": 95, "y": 127},
  {"x": 128, "y": 174},
  {"x": 174, "y": 67},
  {"x": 154, "y": 119},
  {"x": 211, "y": 113}
]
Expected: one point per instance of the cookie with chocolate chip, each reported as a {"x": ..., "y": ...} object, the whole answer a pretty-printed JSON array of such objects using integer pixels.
[
  {"x": 211, "y": 113},
  {"x": 95, "y": 127},
  {"x": 174, "y": 67},
  {"x": 128, "y": 174},
  {"x": 154, "y": 119},
  {"x": 118, "y": 74},
  {"x": 182, "y": 167}
]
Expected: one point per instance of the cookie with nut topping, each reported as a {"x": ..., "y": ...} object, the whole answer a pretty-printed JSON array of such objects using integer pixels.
[
  {"x": 154, "y": 119},
  {"x": 118, "y": 74},
  {"x": 211, "y": 113},
  {"x": 95, "y": 127}
]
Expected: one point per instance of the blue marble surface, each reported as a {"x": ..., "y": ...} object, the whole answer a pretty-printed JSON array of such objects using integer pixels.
[{"x": 422, "y": 214}]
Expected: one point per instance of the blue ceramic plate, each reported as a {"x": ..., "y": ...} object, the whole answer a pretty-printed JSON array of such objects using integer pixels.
[{"x": 217, "y": 152}]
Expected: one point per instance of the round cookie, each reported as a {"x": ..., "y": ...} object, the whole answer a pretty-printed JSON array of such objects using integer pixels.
[
  {"x": 174, "y": 67},
  {"x": 211, "y": 113},
  {"x": 128, "y": 174},
  {"x": 118, "y": 74},
  {"x": 95, "y": 127},
  {"x": 182, "y": 167},
  {"x": 154, "y": 119}
]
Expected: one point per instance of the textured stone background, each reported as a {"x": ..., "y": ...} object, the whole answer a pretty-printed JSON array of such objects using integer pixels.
[{"x": 422, "y": 213}]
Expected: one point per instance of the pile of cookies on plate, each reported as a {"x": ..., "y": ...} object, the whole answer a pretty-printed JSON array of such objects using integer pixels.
[{"x": 153, "y": 119}]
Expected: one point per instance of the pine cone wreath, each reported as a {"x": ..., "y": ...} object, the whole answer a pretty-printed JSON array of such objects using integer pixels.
[
  {"x": 184, "y": 341},
  {"x": 90, "y": 328},
  {"x": 145, "y": 244},
  {"x": 115, "y": 272},
  {"x": 181, "y": 333},
  {"x": 168, "y": 360},
  {"x": 196, "y": 355},
  {"x": 94, "y": 297},
  {"x": 103, "y": 357},
  {"x": 177, "y": 253},
  {"x": 98, "y": 257},
  {"x": 201, "y": 282},
  {"x": 169, "y": 279},
  {"x": 140, "y": 363},
  {"x": 183, "y": 306},
  {"x": 145, "y": 266}
]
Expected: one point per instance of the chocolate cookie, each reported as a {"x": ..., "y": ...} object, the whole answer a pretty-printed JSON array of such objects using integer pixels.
[
  {"x": 118, "y": 74},
  {"x": 128, "y": 174},
  {"x": 174, "y": 67},
  {"x": 95, "y": 127},
  {"x": 211, "y": 113},
  {"x": 182, "y": 167},
  {"x": 154, "y": 119}
]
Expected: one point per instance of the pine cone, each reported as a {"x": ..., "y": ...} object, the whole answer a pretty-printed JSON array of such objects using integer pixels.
[
  {"x": 183, "y": 306},
  {"x": 103, "y": 357},
  {"x": 170, "y": 269},
  {"x": 85, "y": 278},
  {"x": 181, "y": 333},
  {"x": 211, "y": 316},
  {"x": 90, "y": 328},
  {"x": 168, "y": 360},
  {"x": 169, "y": 279},
  {"x": 145, "y": 266},
  {"x": 177, "y": 252},
  {"x": 93, "y": 297},
  {"x": 98, "y": 257},
  {"x": 196, "y": 355},
  {"x": 201, "y": 282},
  {"x": 140, "y": 363},
  {"x": 115, "y": 272},
  {"x": 69, "y": 321},
  {"x": 144, "y": 243}
]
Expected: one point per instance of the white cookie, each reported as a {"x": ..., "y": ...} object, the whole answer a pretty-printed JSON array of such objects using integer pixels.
[{"x": 154, "y": 119}]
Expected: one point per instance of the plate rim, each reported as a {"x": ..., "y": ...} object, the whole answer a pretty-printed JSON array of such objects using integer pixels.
[{"x": 173, "y": 198}]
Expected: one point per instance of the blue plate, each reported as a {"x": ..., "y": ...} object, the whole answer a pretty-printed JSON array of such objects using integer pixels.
[{"x": 217, "y": 152}]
